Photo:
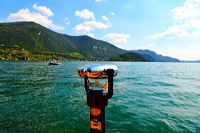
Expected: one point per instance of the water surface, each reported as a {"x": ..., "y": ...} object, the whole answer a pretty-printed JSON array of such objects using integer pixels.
[{"x": 148, "y": 97}]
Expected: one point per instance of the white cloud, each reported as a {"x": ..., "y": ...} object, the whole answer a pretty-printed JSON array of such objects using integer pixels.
[
  {"x": 105, "y": 18},
  {"x": 171, "y": 32},
  {"x": 117, "y": 38},
  {"x": 89, "y": 26},
  {"x": 85, "y": 14},
  {"x": 186, "y": 21},
  {"x": 43, "y": 9},
  {"x": 66, "y": 20},
  {"x": 190, "y": 9},
  {"x": 91, "y": 35},
  {"x": 192, "y": 23},
  {"x": 98, "y": 0},
  {"x": 189, "y": 53},
  {"x": 27, "y": 15},
  {"x": 112, "y": 13}
]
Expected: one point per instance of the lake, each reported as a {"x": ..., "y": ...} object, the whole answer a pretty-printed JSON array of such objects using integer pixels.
[{"x": 148, "y": 97}]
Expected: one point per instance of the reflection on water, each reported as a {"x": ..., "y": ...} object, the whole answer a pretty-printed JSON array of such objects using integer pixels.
[{"x": 148, "y": 97}]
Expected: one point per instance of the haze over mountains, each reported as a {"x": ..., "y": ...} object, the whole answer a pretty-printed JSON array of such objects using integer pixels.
[
  {"x": 38, "y": 39},
  {"x": 154, "y": 57}
]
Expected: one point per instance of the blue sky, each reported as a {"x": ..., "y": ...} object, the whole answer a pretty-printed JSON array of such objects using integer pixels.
[{"x": 168, "y": 27}]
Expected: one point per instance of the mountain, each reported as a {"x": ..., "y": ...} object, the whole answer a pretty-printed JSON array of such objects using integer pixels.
[
  {"x": 131, "y": 56},
  {"x": 40, "y": 40},
  {"x": 96, "y": 49},
  {"x": 154, "y": 57},
  {"x": 187, "y": 61},
  {"x": 34, "y": 38},
  {"x": 31, "y": 41}
]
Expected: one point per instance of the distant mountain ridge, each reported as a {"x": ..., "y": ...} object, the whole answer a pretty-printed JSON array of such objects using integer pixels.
[
  {"x": 36, "y": 39},
  {"x": 154, "y": 57},
  {"x": 131, "y": 56},
  {"x": 188, "y": 61}
]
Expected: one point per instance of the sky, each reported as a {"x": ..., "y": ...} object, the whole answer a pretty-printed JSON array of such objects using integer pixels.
[{"x": 168, "y": 27}]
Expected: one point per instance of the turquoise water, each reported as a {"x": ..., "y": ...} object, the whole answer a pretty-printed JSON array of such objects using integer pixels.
[{"x": 148, "y": 97}]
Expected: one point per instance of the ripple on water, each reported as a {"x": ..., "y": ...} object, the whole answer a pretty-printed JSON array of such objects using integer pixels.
[
  {"x": 148, "y": 97},
  {"x": 160, "y": 83}
]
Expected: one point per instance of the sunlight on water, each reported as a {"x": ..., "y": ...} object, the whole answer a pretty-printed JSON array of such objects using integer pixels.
[{"x": 148, "y": 97}]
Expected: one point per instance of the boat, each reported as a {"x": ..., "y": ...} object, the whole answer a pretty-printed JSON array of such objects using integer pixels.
[{"x": 54, "y": 62}]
